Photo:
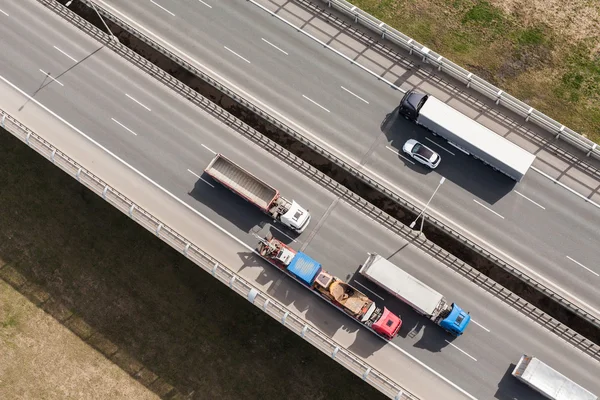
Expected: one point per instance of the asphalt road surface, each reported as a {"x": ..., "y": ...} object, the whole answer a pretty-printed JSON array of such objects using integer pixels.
[
  {"x": 537, "y": 225},
  {"x": 171, "y": 141}
]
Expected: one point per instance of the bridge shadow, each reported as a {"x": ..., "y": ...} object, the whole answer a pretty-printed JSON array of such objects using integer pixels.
[{"x": 481, "y": 180}]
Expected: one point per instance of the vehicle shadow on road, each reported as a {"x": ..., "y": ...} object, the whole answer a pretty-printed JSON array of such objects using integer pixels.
[
  {"x": 465, "y": 171},
  {"x": 293, "y": 294},
  {"x": 236, "y": 210},
  {"x": 509, "y": 388}
]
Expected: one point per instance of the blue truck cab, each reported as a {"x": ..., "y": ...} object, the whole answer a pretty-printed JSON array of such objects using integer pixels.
[{"x": 456, "y": 321}]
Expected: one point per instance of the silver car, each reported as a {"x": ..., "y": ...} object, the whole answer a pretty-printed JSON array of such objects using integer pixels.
[{"x": 422, "y": 153}]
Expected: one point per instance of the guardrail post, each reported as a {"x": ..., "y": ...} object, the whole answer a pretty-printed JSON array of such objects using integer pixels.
[
  {"x": 529, "y": 114},
  {"x": 3, "y": 119},
  {"x": 439, "y": 61},
  {"x": 252, "y": 295},
  {"x": 304, "y": 329},
  {"x": 560, "y": 131},
  {"x": 232, "y": 281},
  {"x": 186, "y": 249},
  {"x": 591, "y": 150},
  {"x": 53, "y": 154},
  {"x": 285, "y": 315},
  {"x": 366, "y": 373},
  {"x": 158, "y": 228},
  {"x": 214, "y": 270},
  {"x": 381, "y": 26},
  {"x": 266, "y": 304},
  {"x": 27, "y": 139},
  {"x": 469, "y": 79},
  {"x": 355, "y": 14},
  {"x": 335, "y": 351},
  {"x": 104, "y": 196},
  {"x": 78, "y": 175},
  {"x": 498, "y": 96},
  {"x": 399, "y": 395},
  {"x": 131, "y": 210},
  {"x": 410, "y": 48},
  {"x": 425, "y": 51}
]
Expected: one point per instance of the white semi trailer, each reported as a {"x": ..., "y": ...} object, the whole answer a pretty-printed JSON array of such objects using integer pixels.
[
  {"x": 549, "y": 382},
  {"x": 466, "y": 134}
]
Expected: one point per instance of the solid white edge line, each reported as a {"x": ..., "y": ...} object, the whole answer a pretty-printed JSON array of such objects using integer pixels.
[
  {"x": 284, "y": 234},
  {"x": 72, "y": 58},
  {"x": 207, "y": 148},
  {"x": 245, "y": 59},
  {"x": 440, "y": 146},
  {"x": 241, "y": 243},
  {"x": 283, "y": 51},
  {"x": 50, "y": 76},
  {"x": 390, "y": 185},
  {"x": 461, "y": 350},
  {"x": 158, "y": 5},
  {"x": 128, "y": 165},
  {"x": 238, "y": 89},
  {"x": 201, "y": 178},
  {"x": 207, "y": 5},
  {"x": 354, "y": 94},
  {"x": 527, "y": 198},
  {"x": 315, "y": 103},
  {"x": 366, "y": 288},
  {"x": 124, "y": 126},
  {"x": 487, "y": 208},
  {"x": 433, "y": 371},
  {"x": 396, "y": 152},
  {"x": 4, "y": 12},
  {"x": 582, "y": 266},
  {"x": 565, "y": 187},
  {"x": 481, "y": 326},
  {"x": 146, "y": 107}
]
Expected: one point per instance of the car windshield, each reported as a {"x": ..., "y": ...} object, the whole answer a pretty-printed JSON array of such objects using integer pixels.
[{"x": 423, "y": 151}]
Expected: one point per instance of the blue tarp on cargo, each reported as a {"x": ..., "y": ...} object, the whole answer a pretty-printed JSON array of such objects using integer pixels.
[{"x": 304, "y": 268}]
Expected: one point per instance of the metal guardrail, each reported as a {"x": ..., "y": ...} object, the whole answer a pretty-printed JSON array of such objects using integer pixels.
[
  {"x": 208, "y": 263},
  {"x": 471, "y": 80},
  {"x": 357, "y": 173}
]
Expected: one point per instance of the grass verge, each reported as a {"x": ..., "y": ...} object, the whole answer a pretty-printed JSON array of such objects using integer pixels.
[
  {"x": 147, "y": 299},
  {"x": 544, "y": 52}
]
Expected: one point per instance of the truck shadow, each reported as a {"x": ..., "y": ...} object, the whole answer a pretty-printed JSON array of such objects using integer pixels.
[
  {"x": 465, "y": 171},
  {"x": 293, "y": 294},
  {"x": 415, "y": 328},
  {"x": 244, "y": 215},
  {"x": 509, "y": 388}
]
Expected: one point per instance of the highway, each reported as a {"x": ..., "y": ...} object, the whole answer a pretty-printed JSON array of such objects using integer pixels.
[
  {"x": 537, "y": 225},
  {"x": 170, "y": 141}
]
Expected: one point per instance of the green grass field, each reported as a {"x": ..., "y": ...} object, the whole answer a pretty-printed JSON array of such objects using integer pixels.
[
  {"x": 544, "y": 52},
  {"x": 147, "y": 299}
]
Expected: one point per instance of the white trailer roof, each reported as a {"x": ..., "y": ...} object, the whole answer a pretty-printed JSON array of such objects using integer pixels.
[
  {"x": 395, "y": 280},
  {"x": 549, "y": 382},
  {"x": 473, "y": 132}
]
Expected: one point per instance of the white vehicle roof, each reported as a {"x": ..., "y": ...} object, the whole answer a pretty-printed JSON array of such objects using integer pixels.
[
  {"x": 296, "y": 216},
  {"x": 473, "y": 132},
  {"x": 548, "y": 381},
  {"x": 395, "y": 280}
]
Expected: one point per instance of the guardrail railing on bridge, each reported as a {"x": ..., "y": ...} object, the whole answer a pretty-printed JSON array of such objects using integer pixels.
[
  {"x": 208, "y": 263},
  {"x": 383, "y": 218},
  {"x": 472, "y": 81}
]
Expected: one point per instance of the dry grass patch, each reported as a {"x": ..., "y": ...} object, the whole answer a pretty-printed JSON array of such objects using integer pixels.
[
  {"x": 145, "y": 298},
  {"x": 41, "y": 359}
]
